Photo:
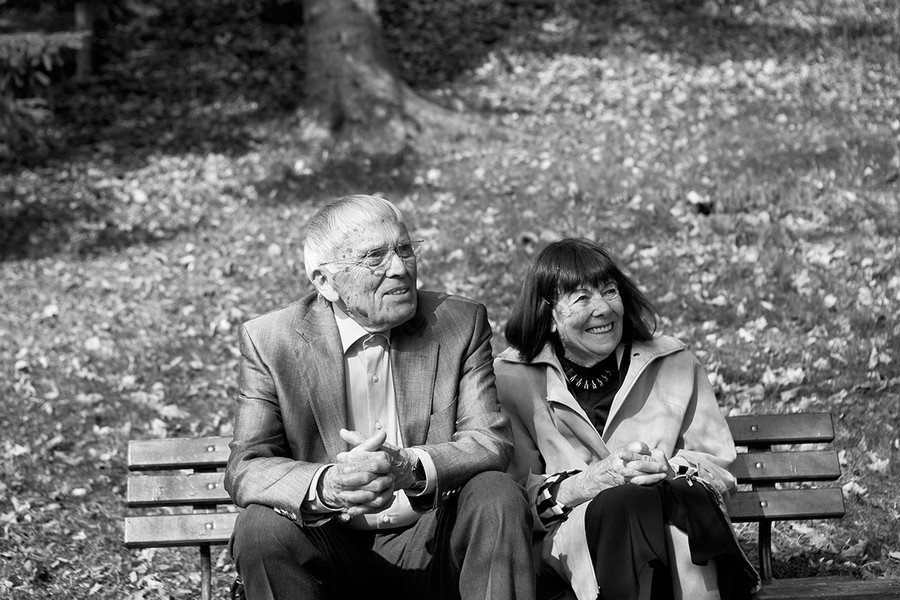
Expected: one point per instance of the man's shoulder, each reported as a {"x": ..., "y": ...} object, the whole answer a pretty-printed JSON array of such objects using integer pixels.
[
  {"x": 439, "y": 301},
  {"x": 446, "y": 316}
]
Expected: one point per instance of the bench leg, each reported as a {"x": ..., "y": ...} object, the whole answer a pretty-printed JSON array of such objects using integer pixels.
[
  {"x": 205, "y": 573},
  {"x": 765, "y": 550}
]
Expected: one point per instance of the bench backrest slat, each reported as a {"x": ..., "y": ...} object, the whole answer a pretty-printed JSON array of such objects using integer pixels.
[
  {"x": 769, "y": 467},
  {"x": 176, "y": 490},
  {"x": 794, "y": 428},
  {"x": 179, "y": 530},
  {"x": 187, "y": 453},
  {"x": 820, "y": 503},
  {"x": 178, "y": 453}
]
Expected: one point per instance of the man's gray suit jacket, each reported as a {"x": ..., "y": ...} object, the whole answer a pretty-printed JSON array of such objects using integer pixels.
[{"x": 292, "y": 399}]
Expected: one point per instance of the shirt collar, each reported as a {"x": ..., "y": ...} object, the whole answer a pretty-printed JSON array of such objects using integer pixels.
[{"x": 351, "y": 331}]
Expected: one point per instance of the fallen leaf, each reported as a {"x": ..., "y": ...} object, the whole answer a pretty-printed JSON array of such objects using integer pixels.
[
  {"x": 853, "y": 489},
  {"x": 171, "y": 411},
  {"x": 878, "y": 464},
  {"x": 815, "y": 538},
  {"x": 854, "y": 552}
]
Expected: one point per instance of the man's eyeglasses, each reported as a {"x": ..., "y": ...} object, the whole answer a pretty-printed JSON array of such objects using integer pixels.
[{"x": 378, "y": 260}]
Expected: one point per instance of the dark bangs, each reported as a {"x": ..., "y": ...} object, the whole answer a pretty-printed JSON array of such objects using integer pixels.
[
  {"x": 570, "y": 266},
  {"x": 560, "y": 268}
]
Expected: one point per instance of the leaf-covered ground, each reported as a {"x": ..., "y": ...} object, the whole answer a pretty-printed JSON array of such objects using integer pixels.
[{"x": 743, "y": 159}]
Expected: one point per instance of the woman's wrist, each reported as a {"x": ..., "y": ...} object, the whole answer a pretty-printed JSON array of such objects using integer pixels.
[
  {"x": 578, "y": 489},
  {"x": 549, "y": 509}
]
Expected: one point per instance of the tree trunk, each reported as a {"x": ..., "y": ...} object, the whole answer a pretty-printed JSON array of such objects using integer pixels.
[
  {"x": 350, "y": 79},
  {"x": 355, "y": 90},
  {"x": 84, "y": 23}
]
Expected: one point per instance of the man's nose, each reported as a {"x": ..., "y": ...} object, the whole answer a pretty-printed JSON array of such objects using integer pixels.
[{"x": 396, "y": 267}]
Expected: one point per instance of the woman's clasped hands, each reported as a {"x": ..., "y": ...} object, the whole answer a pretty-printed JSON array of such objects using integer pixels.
[
  {"x": 634, "y": 462},
  {"x": 641, "y": 464}
]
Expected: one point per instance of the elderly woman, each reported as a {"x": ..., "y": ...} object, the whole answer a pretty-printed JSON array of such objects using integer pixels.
[{"x": 619, "y": 440}]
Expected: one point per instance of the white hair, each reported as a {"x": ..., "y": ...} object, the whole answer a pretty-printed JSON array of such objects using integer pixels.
[{"x": 327, "y": 229}]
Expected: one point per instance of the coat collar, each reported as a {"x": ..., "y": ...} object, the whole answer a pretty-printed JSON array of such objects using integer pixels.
[
  {"x": 642, "y": 354},
  {"x": 660, "y": 345}
]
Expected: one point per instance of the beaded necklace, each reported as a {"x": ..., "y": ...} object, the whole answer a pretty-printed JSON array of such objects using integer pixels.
[{"x": 594, "y": 378}]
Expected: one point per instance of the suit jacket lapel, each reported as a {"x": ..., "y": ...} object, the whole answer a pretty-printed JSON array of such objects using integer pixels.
[
  {"x": 414, "y": 356},
  {"x": 323, "y": 374}
]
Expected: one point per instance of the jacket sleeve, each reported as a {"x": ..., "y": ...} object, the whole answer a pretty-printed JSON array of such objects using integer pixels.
[
  {"x": 260, "y": 468},
  {"x": 527, "y": 466},
  {"x": 705, "y": 441},
  {"x": 481, "y": 440}
]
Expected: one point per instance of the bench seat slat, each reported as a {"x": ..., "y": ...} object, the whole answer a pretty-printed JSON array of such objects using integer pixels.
[
  {"x": 780, "y": 505},
  {"x": 768, "y": 467},
  {"x": 176, "y": 490},
  {"x": 792, "y": 428},
  {"x": 178, "y": 453},
  {"x": 164, "y": 531},
  {"x": 829, "y": 587}
]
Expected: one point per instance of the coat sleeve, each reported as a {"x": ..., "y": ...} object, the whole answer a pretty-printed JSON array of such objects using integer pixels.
[
  {"x": 527, "y": 465},
  {"x": 260, "y": 468},
  {"x": 482, "y": 439},
  {"x": 705, "y": 440}
]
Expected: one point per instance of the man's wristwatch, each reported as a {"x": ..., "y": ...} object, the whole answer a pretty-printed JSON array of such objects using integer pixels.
[{"x": 419, "y": 476}]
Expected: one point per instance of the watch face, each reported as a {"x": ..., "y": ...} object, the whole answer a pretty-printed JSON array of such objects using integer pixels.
[{"x": 419, "y": 474}]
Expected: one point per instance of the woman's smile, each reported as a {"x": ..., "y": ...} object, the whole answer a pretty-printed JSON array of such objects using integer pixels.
[{"x": 601, "y": 329}]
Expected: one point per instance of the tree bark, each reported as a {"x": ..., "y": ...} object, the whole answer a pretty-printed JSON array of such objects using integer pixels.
[
  {"x": 351, "y": 81},
  {"x": 84, "y": 23}
]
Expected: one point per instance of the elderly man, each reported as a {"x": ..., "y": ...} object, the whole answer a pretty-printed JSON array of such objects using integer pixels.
[{"x": 363, "y": 407}]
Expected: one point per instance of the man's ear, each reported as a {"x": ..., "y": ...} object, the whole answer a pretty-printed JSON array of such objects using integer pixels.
[{"x": 324, "y": 285}]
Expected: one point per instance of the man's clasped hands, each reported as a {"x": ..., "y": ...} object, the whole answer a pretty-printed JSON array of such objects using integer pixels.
[{"x": 365, "y": 477}]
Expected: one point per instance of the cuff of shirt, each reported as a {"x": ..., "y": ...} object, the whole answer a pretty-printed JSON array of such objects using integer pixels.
[
  {"x": 430, "y": 472},
  {"x": 313, "y": 507}
]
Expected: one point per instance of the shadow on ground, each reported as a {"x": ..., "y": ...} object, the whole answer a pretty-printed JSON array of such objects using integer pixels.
[{"x": 39, "y": 230}]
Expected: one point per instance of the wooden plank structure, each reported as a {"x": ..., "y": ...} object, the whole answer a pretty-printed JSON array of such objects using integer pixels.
[
  {"x": 196, "y": 509},
  {"x": 764, "y": 470},
  {"x": 182, "y": 481}
]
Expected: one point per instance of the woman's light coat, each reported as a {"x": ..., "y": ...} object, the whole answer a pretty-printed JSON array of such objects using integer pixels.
[{"x": 665, "y": 400}]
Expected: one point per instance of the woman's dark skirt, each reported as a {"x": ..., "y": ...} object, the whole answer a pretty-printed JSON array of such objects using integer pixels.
[{"x": 625, "y": 528}]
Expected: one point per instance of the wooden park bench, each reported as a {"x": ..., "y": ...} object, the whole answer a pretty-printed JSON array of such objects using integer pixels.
[{"x": 181, "y": 481}]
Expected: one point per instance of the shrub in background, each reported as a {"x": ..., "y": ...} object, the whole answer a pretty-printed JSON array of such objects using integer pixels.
[{"x": 26, "y": 60}]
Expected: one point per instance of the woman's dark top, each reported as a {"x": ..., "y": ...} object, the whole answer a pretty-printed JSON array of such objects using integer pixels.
[{"x": 595, "y": 387}]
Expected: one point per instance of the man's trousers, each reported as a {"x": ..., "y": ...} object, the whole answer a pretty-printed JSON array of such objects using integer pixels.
[{"x": 476, "y": 545}]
